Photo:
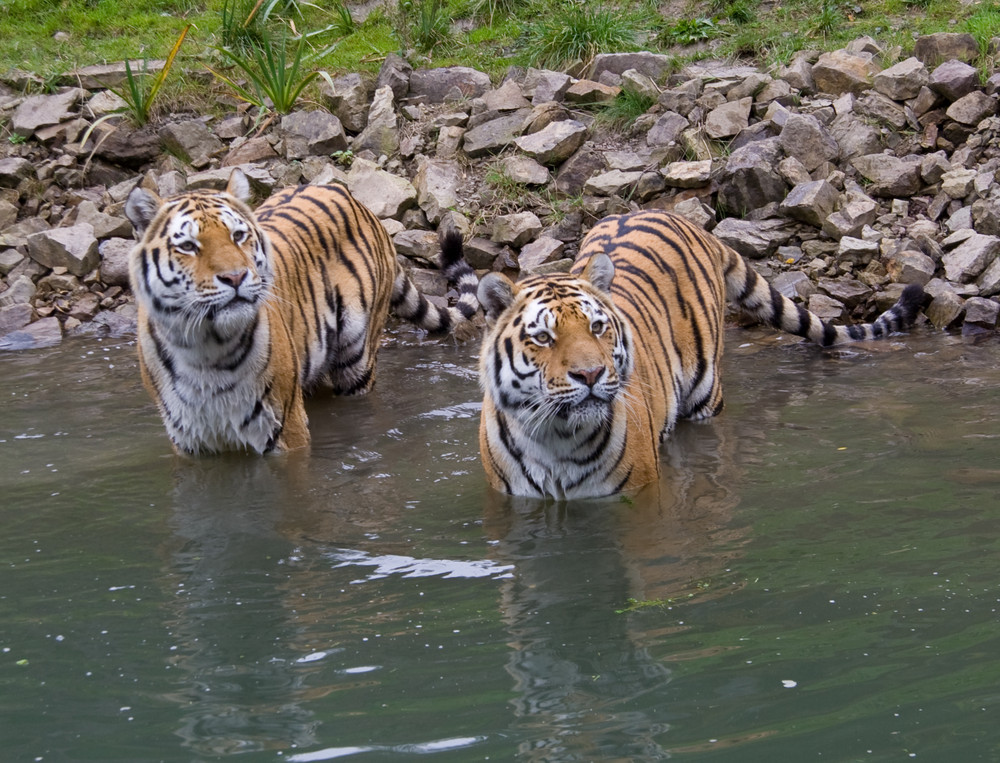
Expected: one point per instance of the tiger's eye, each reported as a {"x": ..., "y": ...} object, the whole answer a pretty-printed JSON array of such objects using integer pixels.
[
  {"x": 542, "y": 338},
  {"x": 598, "y": 327}
]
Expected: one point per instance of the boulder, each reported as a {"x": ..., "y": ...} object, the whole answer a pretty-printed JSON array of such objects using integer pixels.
[
  {"x": 903, "y": 80},
  {"x": 889, "y": 176},
  {"x": 437, "y": 182},
  {"x": 38, "y": 111},
  {"x": 953, "y": 79},
  {"x": 555, "y": 143},
  {"x": 348, "y": 98},
  {"x": 516, "y": 229},
  {"x": 385, "y": 194},
  {"x": 434, "y": 85},
  {"x": 812, "y": 202},
  {"x": 494, "y": 136},
  {"x": 839, "y": 72},
  {"x": 312, "y": 133},
  {"x": 381, "y": 133},
  {"x": 932, "y": 49},
  {"x": 805, "y": 138},
  {"x": 191, "y": 141},
  {"x": 73, "y": 248}
]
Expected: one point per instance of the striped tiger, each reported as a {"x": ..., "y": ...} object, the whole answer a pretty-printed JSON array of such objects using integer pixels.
[
  {"x": 584, "y": 373},
  {"x": 240, "y": 314}
]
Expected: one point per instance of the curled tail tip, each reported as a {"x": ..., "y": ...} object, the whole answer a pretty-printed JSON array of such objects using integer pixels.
[
  {"x": 910, "y": 302},
  {"x": 452, "y": 247}
]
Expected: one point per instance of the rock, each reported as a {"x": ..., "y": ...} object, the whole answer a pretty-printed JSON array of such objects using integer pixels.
[
  {"x": 910, "y": 266},
  {"x": 653, "y": 65},
  {"x": 639, "y": 84},
  {"x": 312, "y": 133},
  {"x": 418, "y": 244},
  {"x": 381, "y": 134},
  {"x": 495, "y": 135},
  {"x": 385, "y": 194},
  {"x": 696, "y": 211},
  {"x": 15, "y": 316},
  {"x": 982, "y": 312},
  {"x": 847, "y": 291},
  {"x": 880, "y": 108},
  {"x": 539, "y": 252},
  {"x": 104, "y": 225},
  {"x": 857, "y": 251},
  {"x": 576, "y": 170},
  {"x": 970, "y": 258},
  {"x": 751, "y": 178},
  {"x": 728, "y": 119},
  {"x": 973, "y": 108},
  {"x": 989, "y": 280},
  {"x": 107, "y": 76},
  {"x": 808, "y": 141},
  {"x": 903, "y": 80},
  {"x": 437, "y": 182},
  {"x": 555, "y": 143},
  {"x": 44, "y": 333},
  {"x": 889, "y": 176},
  {"x": 14, "y": 169},
  {"x": 958, "y": 183},
  {"x": 38, "y": 111},
  {"x": 191, "y": 141},
  {"x": 432, "y": 85},
  {"x": 20, "y": 291},
  {"x": 125, "y": 145},
  {"x": 794, "y": 284},
  {"x": 945, "y": 309},
  {"x": 681, "y": 99},
  {"x": 259, "y": 150},
  {"x": 73, "y": 248},
  {"x": 114, "y": 261},
  {"x": 395, "y": 73},
  {"x": 812, "y": 202},
  {"x": 842, "y": 72},
  {"x": 348, "y": 98},
  {"x": 587, "y": 92},
  {"x": 953, "y": 79},
  {"x": 754, "y": 239},
  {"x": 687, "y": 174},
  {"x": 516, "y": 229},
  {"x": 827, "y": 308},
  {"x": 851, "y": 218},
  {"x": 612, "y": 183},
  {"x": 667, "y": 129},
  {"x": 9, "y": 259},
  {"x": 507, "y": 97},
  {"x": 544, "y": 86},
  {"x": 525, "y": 170},
  {"x": 854, "y": 136},
  {"x": 932, "y": 49}
]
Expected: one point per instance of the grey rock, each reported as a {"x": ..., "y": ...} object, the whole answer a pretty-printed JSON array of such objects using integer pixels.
[
  {"x": 13, "y": 170},
  {"x": 73, "y": 248},
  {"x": 114, "y": 261},
  {"x": 20, "y": 291},
  {"x": 858, "y": 251},
  {"x": 812, "y": 202},
  {"x": 839, "y": 72},
  {"x": 348, "y": 97},
  {"x": 15, "y": 317},
  {"x": 988, "y": 281},
  {"x": 44, "y": 333},
  {"x": 799, "y": 75},
  {"x": 889, "y": 176},
  {"x": 9, "y": 259},
  {"x": 516, "y": 229},
  {"x": 854, "y": 136},
  {"x": 754, "y": 239},
  {"x": 851, "y": 218},
  {"x": 312, "y": 133},
  {"x": 687, "y": 174},
  {"x": 654, "y": 65},
  {"x": 495, "y": 135},
  {"x": 880, "y": 108},
  {"x": 191, "y": 141},
  {"x": 826, "y": 307},
  {"x": 681, "y": 99},
  {"x": 806, "y": 139},
  {"x": 121, "y": 144},
  {"x": 932, "y": 49},
  {"x": 848, "y": 291},
  {"x": 982, "y": 312},
  {"x": 555, "y": 143},
  {"x": 728, "y": 119},
  {"x": 910, "y": 266},
  {"x": 106, "y": 76},
  {"x": 524, "y": 169},
  {"x": 696, "y": 211},
  {"x": 418, "y": 244},
  {"x": 544, "y": 85},
  {"x": 104, "y": 225},
  {"x": 945, "y": 310},
  {"x": 903, "y": 80},
  {"x": 539, "y": 252},
  {"x": 953, "y": 79},
  {"x": 437, "y": 182},
  {"x": 970, "y": 258},
  {"x": 586, "y": 92},
  {"x": 639, "y": 84},
  {"x": 794, "y": 284},
  {"x": 958, "y": 183},
  {"x": 667, "y": 129},
  {"x": 38, "y": 111},
  {"x": 612, "y": 183},
  {"x": 507, "y": 97},
  {"x": 576, "y": 170},
  {"x": 751, "y": 178},
  {"x": 385, "y": 194},
  {"x": 432, "y": 85},
  {"x": 381, "y": 133},
  {"x": 973, "y": 108},
  {"x": 395, "y": 73}
]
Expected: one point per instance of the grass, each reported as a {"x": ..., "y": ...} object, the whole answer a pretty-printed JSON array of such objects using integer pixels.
[{"x": 490, "y": 35}]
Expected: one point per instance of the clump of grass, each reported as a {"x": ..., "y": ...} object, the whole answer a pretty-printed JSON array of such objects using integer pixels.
[
  {"x": 689, "y": 31},
  {"x": 577, "y": 33},
  {"x": 628, "y": 106},
  {"x": 492, "y": 11},
  {"x": 984, "y": 24},
  {"x": 137, "y": 95},
  {"x": 828, "y": 20},
  {"x": 274, "y": 73},
  {"x": 422, "y": 24}
]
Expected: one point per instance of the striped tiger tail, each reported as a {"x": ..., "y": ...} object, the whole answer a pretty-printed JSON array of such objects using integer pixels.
[
  {"x": 411, "y": 305},
  {"x": 757, "y": 299}
]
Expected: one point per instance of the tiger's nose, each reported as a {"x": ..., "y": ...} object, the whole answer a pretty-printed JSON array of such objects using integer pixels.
[
  {"x": 588, "y": 376},
  {"x": 234, "y": 279}
]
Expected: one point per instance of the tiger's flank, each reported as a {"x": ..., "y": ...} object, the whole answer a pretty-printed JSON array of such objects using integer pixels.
[
  {"x": 241, "y": 314},
  {"x": 583, "y": 374}
]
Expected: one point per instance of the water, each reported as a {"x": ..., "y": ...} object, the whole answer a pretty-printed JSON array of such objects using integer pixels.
[{"x": 815, "y": 578}]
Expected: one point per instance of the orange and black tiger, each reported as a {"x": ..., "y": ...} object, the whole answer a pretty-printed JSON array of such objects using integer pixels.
[
  {"x": 585, "y": 373},
  {"x": 241, "y": 313}
]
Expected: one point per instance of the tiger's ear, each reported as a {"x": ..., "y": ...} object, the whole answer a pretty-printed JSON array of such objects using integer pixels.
[
  {"x": 600, "y": 271},
  {"x": 495, "y": 293},
  {"x": 238, "y": 185},
  {"x": 141, "y": 207}
]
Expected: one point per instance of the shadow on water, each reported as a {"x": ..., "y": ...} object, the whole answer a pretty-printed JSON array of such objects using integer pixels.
[{"x": 374, "y": 599}]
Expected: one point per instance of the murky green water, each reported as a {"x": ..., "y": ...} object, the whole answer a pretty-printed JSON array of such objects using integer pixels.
[{"x": 817, "y": 577}]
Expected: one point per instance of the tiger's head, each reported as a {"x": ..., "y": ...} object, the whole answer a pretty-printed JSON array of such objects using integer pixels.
[
  {"x": 201, "y": 260},
  {"x": 557, "y": 350}
]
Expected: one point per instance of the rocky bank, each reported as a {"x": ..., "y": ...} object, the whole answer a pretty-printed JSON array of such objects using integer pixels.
[{"x": 840, "y": 176}]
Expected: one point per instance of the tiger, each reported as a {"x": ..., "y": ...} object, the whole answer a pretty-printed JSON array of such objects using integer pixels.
[
  {"x": 242, "y": 314},
  {"x": 584, "y": 373}
]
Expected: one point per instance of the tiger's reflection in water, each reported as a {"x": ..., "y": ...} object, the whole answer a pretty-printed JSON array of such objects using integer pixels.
[{"x": 582, "y": 668}]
